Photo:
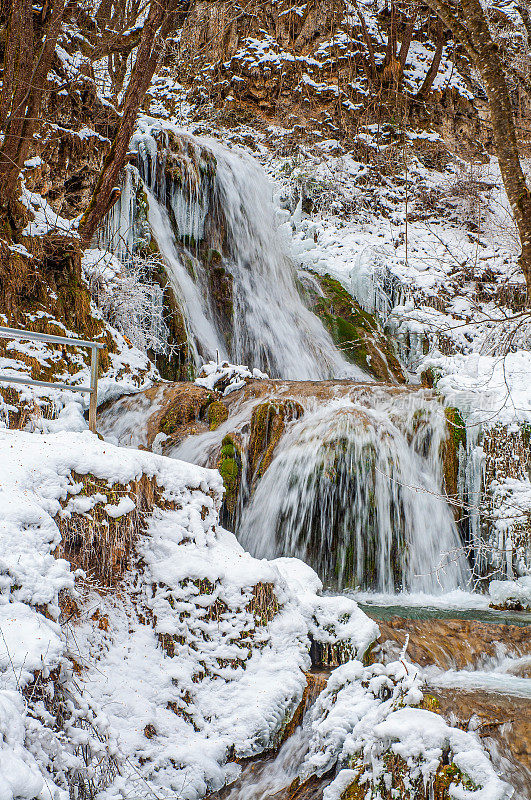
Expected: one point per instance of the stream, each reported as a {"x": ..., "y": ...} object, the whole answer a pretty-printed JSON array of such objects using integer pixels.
[
  {"x": 476, "y": 664},
  {"x": 349, "y": 475}
]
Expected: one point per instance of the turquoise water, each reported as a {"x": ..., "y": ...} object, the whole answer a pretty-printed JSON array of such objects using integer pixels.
[{"x": 385, "y": 612}]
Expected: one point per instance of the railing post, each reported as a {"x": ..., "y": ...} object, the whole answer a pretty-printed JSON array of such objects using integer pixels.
[{"x": 93, "y": 388}]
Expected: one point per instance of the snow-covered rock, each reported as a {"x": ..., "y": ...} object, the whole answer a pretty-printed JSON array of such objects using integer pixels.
[
  {"x": 195, "y": 656},
  {"x": 366, "y": 714},
  {"x": 227, "y": 378},
  {"x": 511, "y": 593}
]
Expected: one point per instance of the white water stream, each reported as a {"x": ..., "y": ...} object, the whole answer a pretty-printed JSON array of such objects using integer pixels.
[
  {"x": 356, "y": 492},
  {"x": 265, "y": 780},
  {"x": 232, "y": 211}
]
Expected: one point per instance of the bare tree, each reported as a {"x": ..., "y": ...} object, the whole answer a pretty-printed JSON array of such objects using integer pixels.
[
  {"x": 31, "y": 35},
  {"x": 162, "y": 17},
  {"x": 111, "y": 30},
  {"x": 470, "y": 28}
]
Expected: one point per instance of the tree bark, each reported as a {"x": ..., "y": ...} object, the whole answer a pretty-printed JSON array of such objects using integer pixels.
[
  {"x": 472, "y": 31},
  {"x": 159, "y": 22},
  {"x": 406, "y": 41},
  {"x": 431, "y": 74},
  {"x": 370, "y": 64},
  {"x": 30, "y": 47}
]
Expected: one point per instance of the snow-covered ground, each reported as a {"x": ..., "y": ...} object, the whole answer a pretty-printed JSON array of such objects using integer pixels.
[{"x": 168, "y": 674}]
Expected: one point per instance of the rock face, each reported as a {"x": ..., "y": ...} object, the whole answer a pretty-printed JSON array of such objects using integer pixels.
[
  {"x": 356, "y": 333},
  {"x": 317, "y": 448},
  {"x": 311, "y": 65}
]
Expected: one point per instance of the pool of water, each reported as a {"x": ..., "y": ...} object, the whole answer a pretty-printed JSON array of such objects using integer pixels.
[{"x": 488, "y": 615}]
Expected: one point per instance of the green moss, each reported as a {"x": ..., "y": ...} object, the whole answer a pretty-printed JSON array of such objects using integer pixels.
[
  {"x": 430, "y": 703},
  {"x": 190, "y": 267},
  {"x": 217, "y": 414},
  {"x": 189, "y": 404},
  {"x": 356, "y": 332},
  {"x": 456, "y": 427},
  {"x": 230, "y": 470},
  {"x": 450, "y": 451}
]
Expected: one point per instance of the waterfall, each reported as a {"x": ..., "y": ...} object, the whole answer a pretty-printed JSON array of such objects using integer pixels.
[
  {"x": 211, "y": 214},
  {"x": 355, "y": 491},
  {"x": 203, "y": 336},
  {"x": 119, "y": 228}
]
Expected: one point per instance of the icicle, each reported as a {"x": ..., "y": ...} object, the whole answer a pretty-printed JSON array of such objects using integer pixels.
[{"x": 270, "y": 327}]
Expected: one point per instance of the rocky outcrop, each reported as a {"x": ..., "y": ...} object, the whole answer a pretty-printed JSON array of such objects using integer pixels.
[{"x": 355, "y": 332}]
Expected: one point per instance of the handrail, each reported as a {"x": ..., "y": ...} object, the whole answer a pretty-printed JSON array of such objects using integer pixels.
[{"x": 95, "y": 347}]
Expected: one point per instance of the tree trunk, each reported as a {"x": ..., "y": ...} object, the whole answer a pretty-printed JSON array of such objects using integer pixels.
[
  {"x": 472, "y": 31},
  {"x": 156, "y": 27},
  {"x": 431, "y": 74},
  {"x": 406, "y": 41},
  {"x": 370, "y": 64}
]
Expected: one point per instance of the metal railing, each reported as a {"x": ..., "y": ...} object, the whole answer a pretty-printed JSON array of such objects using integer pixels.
[{"x": 17, "y": 333}]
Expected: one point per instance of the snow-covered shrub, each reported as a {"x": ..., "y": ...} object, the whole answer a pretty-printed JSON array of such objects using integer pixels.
[
  {"x": 366, "y": 721},
  {"x": 127, "y": 299}
]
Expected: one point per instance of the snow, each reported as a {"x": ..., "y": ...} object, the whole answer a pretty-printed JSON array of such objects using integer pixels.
[
  {"x": 45, "y": 219},
  {"x": 20, "y": 778},
  {"x": 491, "y": 389},
  {"x": 227, "y": 378},
  {"x": 123, "y": 507},
  {"x": 518, "y": 591},
  {"x": 418, "y": 734},
  {"x": 170, "y": 679},
  {"x": 365, "y": 712}
]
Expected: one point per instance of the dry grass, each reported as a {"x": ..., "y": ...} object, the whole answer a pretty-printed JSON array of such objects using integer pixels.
[
  {"x": 19, "y": 414},
  {"x": 263, "y": 605},
  {"x": 98, "y": 543},
  {"x": 396, "y": 781}
]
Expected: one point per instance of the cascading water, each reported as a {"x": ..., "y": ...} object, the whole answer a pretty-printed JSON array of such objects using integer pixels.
[
  {"x": 211, "y": 215},
  {"x": 356, "y": 492}
]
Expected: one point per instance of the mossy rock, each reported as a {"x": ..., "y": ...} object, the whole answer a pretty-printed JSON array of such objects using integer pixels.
[
  {"x": 189, "y": 403},
  {"x": 450, "y": 451},
  {"x": 213, "y": 257},
  {"x": 221, "y": 292},
  {"x": 230, "y": 469},
  {"x": 268, "y": 422},
  {"x": 217, "y": 414},
  {"x": 356, "y": 332}
]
